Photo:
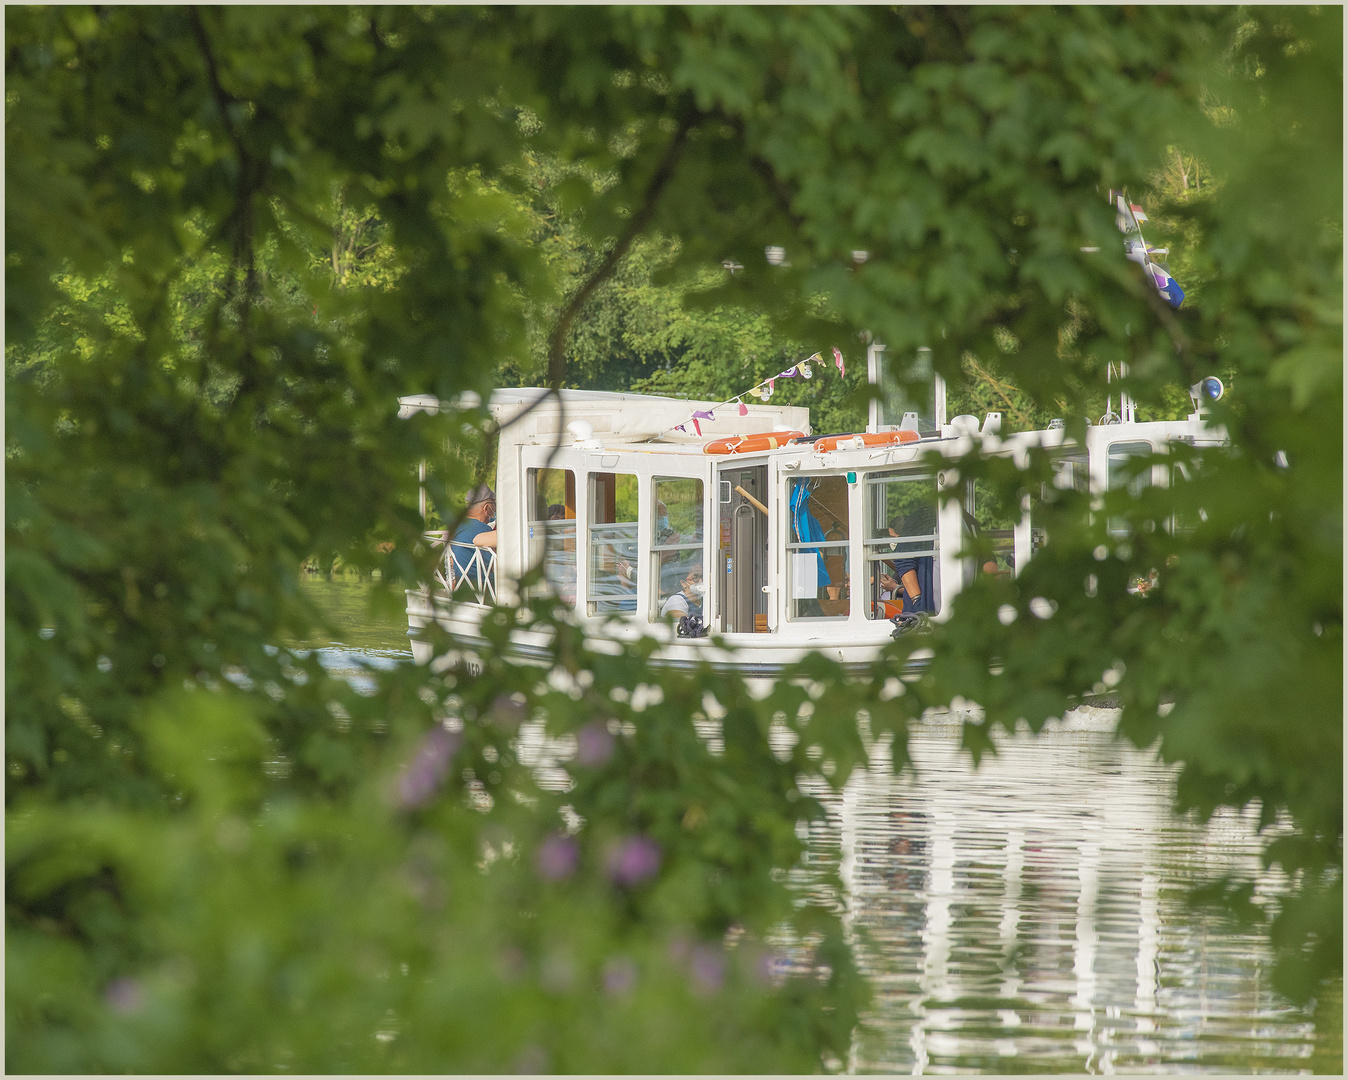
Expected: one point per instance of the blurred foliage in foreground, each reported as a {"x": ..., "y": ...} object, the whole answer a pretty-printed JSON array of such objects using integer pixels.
[{"x": 235, "y": 235}]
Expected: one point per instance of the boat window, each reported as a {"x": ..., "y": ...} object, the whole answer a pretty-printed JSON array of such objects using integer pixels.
[
  {"x": 1122, "y": 475},
  {"x": 1072, "y": 472},
  {"x": 613, "y": 570},
  {"x": 990, "y": 524},
  {"x": 676, "y": 547},
  {"x": 914, "y": 394},
  {"x": 817, "y": 564},
  {"x": 901, "y": 544},
  {"x": 550, "y": 531}
]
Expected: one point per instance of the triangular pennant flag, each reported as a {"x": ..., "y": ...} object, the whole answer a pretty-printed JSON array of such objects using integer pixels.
[
  {"x": 1167, "y": 286},
  {"x": 698, "y": 427},
  {"x": 838, "y": 360},
  {"x": 789, "y": 373},
  {"x": 704, "y": 415},
  {"x": 744, "y": 409},
  {"x": 805, "y": 372}
]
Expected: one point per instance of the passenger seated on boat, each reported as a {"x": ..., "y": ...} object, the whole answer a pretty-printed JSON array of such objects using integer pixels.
[
  {"x": 664, "y": 532},
  {"x": 475, "y": 531},
  {"x": 688, "y": 600},
  {"x": 914, "y": 575}
]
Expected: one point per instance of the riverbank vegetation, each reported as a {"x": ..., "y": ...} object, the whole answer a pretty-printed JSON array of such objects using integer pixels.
[{"x": 234, "y": 236}]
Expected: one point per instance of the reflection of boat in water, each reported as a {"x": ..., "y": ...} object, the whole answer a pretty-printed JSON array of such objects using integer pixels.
[
  {"x": 778, "y": 542},
  {"x": 800, "y": 547},
  {"x": 1031, "y": 914}
]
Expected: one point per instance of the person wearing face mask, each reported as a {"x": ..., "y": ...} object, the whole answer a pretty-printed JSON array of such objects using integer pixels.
[
  {"x": 688, "y": 600},
  {"x": 664, "y": 532}
]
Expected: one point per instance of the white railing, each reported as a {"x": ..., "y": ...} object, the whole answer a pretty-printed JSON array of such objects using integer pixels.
[{"x": 472, "y": 576}]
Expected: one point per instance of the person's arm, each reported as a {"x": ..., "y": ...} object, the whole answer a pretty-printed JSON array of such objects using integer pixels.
[
  {"x": 485, "y": 539},
  {"x": 910, "y": 585}
]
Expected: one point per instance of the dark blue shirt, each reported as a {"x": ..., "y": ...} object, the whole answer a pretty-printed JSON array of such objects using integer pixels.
[{"x": 464, "y": 534}]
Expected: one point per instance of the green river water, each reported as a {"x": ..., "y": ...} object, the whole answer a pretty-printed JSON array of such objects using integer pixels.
[{"x": 1029, "y": 916}]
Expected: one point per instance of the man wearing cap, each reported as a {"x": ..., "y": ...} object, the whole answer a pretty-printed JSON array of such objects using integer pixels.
[{"x": 475, "y": 530}]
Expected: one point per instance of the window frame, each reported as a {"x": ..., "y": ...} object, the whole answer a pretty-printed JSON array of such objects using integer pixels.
[
  {"x": 918, "y": 547},
  {"x": 823, "y": 547},
  {"x": 592, "y": 576},
  {"x": 562, "y": 530},
  {"x": 656, "y": 549}
]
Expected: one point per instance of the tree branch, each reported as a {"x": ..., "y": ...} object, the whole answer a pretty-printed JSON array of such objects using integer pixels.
[
  {"x": 999, "y": 388},
  {"x": 638, "y": 222},
  {"x": 781, "y": 194}
]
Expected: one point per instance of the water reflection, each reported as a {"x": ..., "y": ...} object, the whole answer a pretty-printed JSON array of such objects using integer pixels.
[
  {"x": 1030, "y": 916},
  {"x": 1025, "y": 917}
]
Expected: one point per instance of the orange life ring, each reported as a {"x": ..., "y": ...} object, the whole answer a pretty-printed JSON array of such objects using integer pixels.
[
  {"x": 876, "y": 438},
  {"x": 748, "y": 444}
]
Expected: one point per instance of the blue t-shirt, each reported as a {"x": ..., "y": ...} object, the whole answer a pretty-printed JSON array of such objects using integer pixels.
[{"x": 464, "y": 534}]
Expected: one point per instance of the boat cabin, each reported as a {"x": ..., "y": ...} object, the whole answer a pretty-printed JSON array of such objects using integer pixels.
[{"x": 777, "y": 540}]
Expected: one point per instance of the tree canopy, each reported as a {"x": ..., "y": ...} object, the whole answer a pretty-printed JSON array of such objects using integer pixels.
[{"x": 235, "y": 235}]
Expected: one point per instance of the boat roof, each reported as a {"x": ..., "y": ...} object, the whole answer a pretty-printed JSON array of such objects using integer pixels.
[{"x": 615, "y": 416}]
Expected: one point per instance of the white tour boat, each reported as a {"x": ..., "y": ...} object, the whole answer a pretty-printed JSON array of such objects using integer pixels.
[
  {"x": 779, "y": 542},
  {"x": 747, "y": 542}
]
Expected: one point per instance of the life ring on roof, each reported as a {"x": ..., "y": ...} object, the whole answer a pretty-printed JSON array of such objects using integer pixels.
[
  {"x": 863, "y": 439},
  {"x": 749, "y": 444}
]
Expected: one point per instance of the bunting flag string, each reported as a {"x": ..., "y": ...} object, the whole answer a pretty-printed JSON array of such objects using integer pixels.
[
  {"x": 763, "y": 391},
  {"x": 1129, "y": 218}
]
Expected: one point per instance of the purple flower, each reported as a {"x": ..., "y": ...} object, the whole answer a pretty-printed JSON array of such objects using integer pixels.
[
  {"x": 620, "y": 975},
  {"x": 707, "y": 968},
  {"x": 558, "y": 857},
  {"x": 594, "y": 744},
  {"x": 427, "y": 768},
  {"x": 124, "y": 996},
  {"x": 634, "y": 860}
]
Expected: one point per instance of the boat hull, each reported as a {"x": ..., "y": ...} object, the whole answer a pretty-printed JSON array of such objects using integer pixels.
[{"x": 758, "y": 657}]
